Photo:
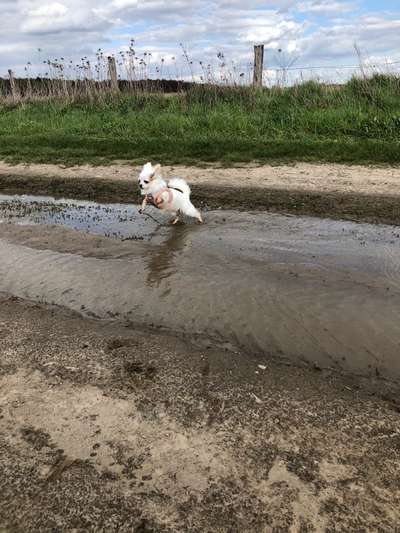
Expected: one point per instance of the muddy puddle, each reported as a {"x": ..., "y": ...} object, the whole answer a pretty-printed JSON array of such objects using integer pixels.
[
  {"x": 116, "y": 220},
  {"x": 305, "y": 289}
]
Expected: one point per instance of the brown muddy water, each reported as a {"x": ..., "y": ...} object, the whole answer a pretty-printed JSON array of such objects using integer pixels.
[{"x": 318, "y": 291}]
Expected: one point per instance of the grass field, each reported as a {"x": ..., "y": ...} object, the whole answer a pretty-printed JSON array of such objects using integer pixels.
[{"x": 355, "y": 123}]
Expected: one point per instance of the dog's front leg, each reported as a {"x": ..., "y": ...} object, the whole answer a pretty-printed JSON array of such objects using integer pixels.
[{"x": 143, "y": 207}]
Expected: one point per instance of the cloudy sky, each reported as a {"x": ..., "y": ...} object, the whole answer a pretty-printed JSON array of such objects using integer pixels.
[{"x": 309, "y": 32}]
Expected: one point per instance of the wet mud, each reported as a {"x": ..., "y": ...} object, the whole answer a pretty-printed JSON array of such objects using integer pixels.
[{"x": 110, "y": 428}]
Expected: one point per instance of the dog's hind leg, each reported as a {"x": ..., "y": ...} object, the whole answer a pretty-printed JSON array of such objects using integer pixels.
[{"x": 190, "y": 211}]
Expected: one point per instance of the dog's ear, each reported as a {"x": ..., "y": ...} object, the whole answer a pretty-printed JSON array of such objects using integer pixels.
[{"x": 156, "y": 171}]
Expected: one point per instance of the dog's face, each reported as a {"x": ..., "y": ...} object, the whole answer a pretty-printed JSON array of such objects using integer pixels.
[{"x": 147, "y": 175}]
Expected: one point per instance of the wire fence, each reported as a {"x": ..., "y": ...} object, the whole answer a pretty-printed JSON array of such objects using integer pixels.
[
  {"x": 331, "y": 74},
  {"x": 328, "y": 74}
]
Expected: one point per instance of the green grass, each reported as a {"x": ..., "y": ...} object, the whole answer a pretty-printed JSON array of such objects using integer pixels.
[{"x": 355, "y": 123}]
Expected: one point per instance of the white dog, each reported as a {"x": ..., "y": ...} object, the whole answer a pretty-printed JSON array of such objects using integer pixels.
[{"x": 173, "y": 198}]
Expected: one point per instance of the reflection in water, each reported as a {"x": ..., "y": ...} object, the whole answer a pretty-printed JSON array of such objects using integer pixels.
[{"x": 160, "y": 260}]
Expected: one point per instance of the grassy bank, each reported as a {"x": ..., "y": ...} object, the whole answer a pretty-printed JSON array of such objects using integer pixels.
[{"x": 355, "y": 123}]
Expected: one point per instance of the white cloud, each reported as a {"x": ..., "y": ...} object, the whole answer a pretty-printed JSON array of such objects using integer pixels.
[
  {"x": 41, "y": 18},
  {"x": 325, "y": 7},
  {"x": 316, "y": 31},
  {"x": 48, "y": 10},
  {"x": 337, "y": 42},
  {"x": 121, "y": 4},
  {"x": 267, "y": 32}
]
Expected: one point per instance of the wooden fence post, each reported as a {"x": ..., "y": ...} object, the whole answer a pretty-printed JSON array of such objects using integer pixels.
[
  {"x": 112, "y": 73},
  {"x": 29, "y": 87},
  {"x": 258, "y": 65},
  {"x": 12, "y": 83}
]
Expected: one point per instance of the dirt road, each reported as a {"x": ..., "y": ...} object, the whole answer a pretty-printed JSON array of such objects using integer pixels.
[
  {"x": 108, "y": 426},
  {"x": 328, "y": 178}
]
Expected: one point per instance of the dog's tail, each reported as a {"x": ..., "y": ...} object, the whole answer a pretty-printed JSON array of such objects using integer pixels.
[{"x": 178, "y": 183}]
